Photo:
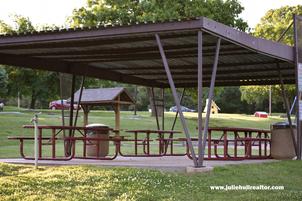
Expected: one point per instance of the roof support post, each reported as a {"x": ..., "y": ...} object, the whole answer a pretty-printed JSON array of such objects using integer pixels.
[
  {"x": 163, "y": 112},
  {"x": 176, "y": 98},
  {"x": 210, "y": 97},
  {"x": 176, "y": 115},
  {"x": 68, "y": 144},
  {"x": 155, "y": 108},
  {"x": 79, "y": 102},
  {"x": 287, "y": 107},
  {"x": 298, "y": 65},
  {"x": 199, "y": 89}
]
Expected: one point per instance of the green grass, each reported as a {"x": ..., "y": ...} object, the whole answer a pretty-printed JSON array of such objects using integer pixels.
[
  {"x": 93, "y": 183},
  {"x": 11, "y": 124}
]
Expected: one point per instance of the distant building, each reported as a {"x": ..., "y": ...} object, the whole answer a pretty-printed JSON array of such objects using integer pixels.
[{"x": 214, "y": 107}]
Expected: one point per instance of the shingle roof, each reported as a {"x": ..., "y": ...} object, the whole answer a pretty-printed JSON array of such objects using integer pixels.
[{"x": 104, "y": 96}]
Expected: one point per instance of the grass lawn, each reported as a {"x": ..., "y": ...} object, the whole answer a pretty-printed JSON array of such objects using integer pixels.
[
  {"x": 94, "y": 183},
  {"x": 11, "y": 124}
]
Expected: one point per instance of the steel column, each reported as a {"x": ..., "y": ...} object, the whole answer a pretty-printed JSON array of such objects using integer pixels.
[
  {"x": 163, "y": 112},
  {"x": 79, "y": 101},
  {"x": 287, "y": 107},
  {"x": 176, "y": 115},
  {"x": 176, "y": 99},
  {"x": 155, "y": 108},
  {"x": 210, "y": 96},
  {"x": 199, "y": 89},
  {"x": 71, "y": 114},
  {"x": 298, "y": 89}
]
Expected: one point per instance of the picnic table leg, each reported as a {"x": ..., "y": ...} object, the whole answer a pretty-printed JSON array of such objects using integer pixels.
[
  {"x": 84, "y": 143},
  {"x": 40, "y": 143},
  {"x": 235, "y": 147},
  {"x": 159, "y": 144},
  {"x": 53, "y": 143},
  {"x": 171, "y": 144},
  {"x": 21, "y": 149},
  {"x": 135, "y": 143},
  {"x": 148, "y": 143},
  {"x": 260, "y": 135},
  {"x": 225, "y": 142},
  {"x": 265, "y": 144},
  {"x": 209, "y": 143}
]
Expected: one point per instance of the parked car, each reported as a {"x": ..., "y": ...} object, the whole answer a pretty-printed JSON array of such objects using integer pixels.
[
  {"x": 57, "y": 104},
  {"x": 183, "y": 109},
  {"x": 1, "y": 105}
]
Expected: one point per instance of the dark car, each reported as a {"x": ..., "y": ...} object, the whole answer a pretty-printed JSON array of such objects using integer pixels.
[
  {"x": 183, "y": 109},
  {"x": 60, "y": 104}
]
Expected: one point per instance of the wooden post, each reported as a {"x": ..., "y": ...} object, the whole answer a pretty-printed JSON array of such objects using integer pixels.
[
  {"x": 86, "y": 111},
  {"x": 117, "y": 115}
]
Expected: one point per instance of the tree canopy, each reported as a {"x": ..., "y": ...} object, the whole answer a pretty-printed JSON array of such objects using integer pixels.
[
  {"x": 271, "y": 26},
  {"x": 38, "y": 85},
  {"x": 104, "y": 12}
]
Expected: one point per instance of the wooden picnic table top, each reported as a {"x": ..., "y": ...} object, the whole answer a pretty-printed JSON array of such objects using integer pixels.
[
  {"x": 68, "y": 127},
  {"x": 237, "y": 129},
  {"x": 66, "y": 138},
  {"x": 152, "y": 131}
]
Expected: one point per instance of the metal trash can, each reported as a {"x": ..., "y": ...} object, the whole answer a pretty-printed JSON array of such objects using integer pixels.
[
  {"x": 92, "y": 145},
  {"x": 282, "y": 146}
]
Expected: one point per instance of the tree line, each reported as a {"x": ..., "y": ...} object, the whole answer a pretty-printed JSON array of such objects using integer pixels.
[{"x": 37, "y": 88}]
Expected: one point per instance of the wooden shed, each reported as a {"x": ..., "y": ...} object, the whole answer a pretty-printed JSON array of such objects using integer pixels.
[
  {"x": 214, "y": 107},
  {"x": 101, "y": 97}
]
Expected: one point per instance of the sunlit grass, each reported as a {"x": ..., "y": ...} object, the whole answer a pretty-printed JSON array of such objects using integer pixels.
[{"x": 93, "y": 183}]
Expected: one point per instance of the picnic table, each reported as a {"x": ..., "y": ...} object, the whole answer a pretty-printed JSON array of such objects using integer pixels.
[
  {"x": 160, "y": 135},
  {"x": 70, "y": 141}
]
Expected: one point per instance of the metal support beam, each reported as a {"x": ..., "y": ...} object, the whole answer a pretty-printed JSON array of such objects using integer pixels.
[
  {"x": 176, "y": 115},
  {"x": 176, "y": 99},
  {"x": 71, "y": 114},
  {"x": 155, "y": 108},
  {"x": 287, "y": 107},
  {"x": 210, "y": 97},
  {"x": 199, "y": 89},
  {"x": 298, "y": 71},
  {"x": 79, "y": 103},
  {"x": 163, "y": 112},
  {"x": 71, "y": 101},
  {"x": 270, "y": 101}
]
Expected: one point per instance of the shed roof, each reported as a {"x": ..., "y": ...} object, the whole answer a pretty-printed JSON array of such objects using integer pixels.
[
  {"x": 129, "y": 54},
  {"x": 102, "y": 96}
]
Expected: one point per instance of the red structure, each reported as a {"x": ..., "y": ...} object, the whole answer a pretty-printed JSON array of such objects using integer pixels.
[
  {"x": 231, "y": 143},
  {"x": 261, "y": 114}
]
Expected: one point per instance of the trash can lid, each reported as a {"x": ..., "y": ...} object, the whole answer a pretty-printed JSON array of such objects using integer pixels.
[
  {"x": 281, "y": 125},
  {"x": 96, "y": 125}
]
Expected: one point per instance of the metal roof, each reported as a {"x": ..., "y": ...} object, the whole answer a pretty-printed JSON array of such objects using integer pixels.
[
  {"x": 129, "y": 54},
  {"x": 104, "y": 96}
]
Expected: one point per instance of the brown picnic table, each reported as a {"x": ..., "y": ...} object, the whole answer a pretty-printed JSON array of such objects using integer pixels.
[{"x": 163, "y": 142}]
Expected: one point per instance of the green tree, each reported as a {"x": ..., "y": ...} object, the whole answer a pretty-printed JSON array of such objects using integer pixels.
[
  {"x": 3, "y": 82},
  {"x": 38, "y": 85},
  {"x": 104, "y": 12},
  {"x": 275, "y": 22},
  {"x": 271, "y": 26},
  {"x": 113, "y": 12}
]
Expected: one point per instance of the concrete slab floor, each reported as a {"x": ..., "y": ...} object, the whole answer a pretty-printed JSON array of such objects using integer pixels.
[{"x": 165, "y": 163}]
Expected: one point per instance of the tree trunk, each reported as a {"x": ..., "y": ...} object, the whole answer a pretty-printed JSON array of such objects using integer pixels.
[
  {"x": 33, "y": 99},
  {"x": 159, "y": 108}
]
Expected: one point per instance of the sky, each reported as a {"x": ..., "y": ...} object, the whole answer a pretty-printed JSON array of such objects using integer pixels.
[{"x": 56, "y": 11}]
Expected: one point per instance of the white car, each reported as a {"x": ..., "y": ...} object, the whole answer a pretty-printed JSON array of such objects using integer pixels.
[{"x": 1, "y": 106}]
